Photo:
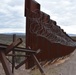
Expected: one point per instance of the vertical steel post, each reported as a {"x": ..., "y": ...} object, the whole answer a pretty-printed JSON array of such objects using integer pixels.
[{"x": 13, "y": 57}]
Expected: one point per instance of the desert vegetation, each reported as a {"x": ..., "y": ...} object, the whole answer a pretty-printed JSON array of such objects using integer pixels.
[{"x": 8, "y": 38}]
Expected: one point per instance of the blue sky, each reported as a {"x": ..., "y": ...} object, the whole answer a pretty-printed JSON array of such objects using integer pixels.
[{"x": 12, "y": 14}]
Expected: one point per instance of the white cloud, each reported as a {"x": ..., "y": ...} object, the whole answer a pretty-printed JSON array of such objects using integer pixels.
[
  {"x": 63, "y": 12},
  {"x": 12, "y": 30},
  {"x": 12, "y": 15},
  {"x": 70, "y": 29},
  {"x": 5, "y": 1}
]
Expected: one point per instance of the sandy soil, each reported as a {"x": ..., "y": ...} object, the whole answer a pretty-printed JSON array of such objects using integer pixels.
[{"x": 66, "y": 66}]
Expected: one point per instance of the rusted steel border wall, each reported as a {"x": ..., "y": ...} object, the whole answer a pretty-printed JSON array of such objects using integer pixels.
[
  {"x": 30, "y": 5},
  {"x": 49, "y": 50}
]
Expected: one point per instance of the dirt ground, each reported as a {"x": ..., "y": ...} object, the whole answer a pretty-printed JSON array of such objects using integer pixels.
[{"x": 66, "y": 66}]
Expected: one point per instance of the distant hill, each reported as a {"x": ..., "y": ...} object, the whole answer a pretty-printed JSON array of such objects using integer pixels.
[
  {"x": 8, "y": 38},
  {"x": 14, "y": 33},
  {"x": 25, "y": 34},
  {"x": 72, "y": 34}
]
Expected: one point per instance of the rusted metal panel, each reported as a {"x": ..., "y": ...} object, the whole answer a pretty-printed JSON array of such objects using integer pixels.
[
  {"x": 34, "y": 6},
  {"x": 30, "y": 38},
  {"x": 44, "y": 33}
]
